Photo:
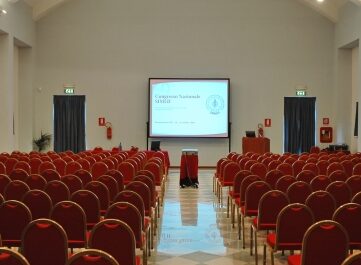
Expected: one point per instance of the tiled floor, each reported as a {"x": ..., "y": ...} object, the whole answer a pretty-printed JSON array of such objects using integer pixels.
[{"x": 194, "y": 229}]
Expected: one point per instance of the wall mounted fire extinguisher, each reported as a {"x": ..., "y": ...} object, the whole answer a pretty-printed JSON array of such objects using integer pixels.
[{"x": 108, "y": 125}]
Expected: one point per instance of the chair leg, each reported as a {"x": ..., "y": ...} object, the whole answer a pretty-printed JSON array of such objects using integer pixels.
[
  {"x": 251, "y": 241},
  {"x": 232, "y": 212},
  {"x": 272, "y": 257},
  {"x": 255, "y": 246},
  {"x": 264, "y": 254},
  {"x": 239, "y": 223},
  {"x": 243, "y": 231},
  {"x": 227, "y": 206}
]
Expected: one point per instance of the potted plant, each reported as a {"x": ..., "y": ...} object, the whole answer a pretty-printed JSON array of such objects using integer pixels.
[{"x": 43, "y": 141}]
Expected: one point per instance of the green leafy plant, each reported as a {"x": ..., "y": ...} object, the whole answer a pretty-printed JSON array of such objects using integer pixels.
[{"x": 43, "y": 141}]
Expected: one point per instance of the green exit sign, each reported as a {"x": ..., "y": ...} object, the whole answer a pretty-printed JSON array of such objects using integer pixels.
[
  {"x": 69, "y": 90},
  {"x": 301, "y": 93}
]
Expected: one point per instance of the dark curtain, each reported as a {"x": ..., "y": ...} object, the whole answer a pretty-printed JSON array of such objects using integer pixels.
[
  {"x": 355, "y": 131},
  {"x": 69, "y": 123},
  {"x": 299, "y": 124}
]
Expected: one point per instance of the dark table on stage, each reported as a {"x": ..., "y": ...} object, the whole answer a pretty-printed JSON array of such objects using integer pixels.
[
  {"x": 189, "y": 167},
  {"x": 258, "y": 145}
]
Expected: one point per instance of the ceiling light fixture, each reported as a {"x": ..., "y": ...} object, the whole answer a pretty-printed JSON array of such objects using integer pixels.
[
  {"x": 2, "y": 11},
  {"x": 320, "y": 1}
]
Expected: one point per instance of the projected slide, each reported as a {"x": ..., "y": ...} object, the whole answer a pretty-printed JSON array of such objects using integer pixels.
[{"x": 188, "y": 107}]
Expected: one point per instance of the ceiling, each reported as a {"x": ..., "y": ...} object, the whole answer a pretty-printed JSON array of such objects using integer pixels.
[{"x": 328, "y": 8}]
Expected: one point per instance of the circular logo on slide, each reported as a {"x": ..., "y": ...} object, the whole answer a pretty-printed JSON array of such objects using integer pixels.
[{"x": 215, "y": 104}]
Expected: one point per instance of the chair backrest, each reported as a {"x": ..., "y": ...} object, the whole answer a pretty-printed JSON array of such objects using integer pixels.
[
  {"x": 50, "y": 174},
  {"x": 60, "y": 165},
  {"x": 109, "y": 163},
  {"x": 285, "y": 168},
  {"x": 71, "y": 217},
  {"x": 320, "y": 182},
  {"x": 354, "y": 182},
  {"x": 298, "y": 192},
  {"x": 297, "y": 166},
  {"x": 274, "y": 164},
  {"x": 2, "y": 168},
  {"x": 244, "y": 185},
  {"x": 73, "y": 182},
  {"x": 348, "y": 166},
  {"x": 101, "y": 191},
  {"x": 356, "y": 198},
  {"x": 118, "y": 176},
  {"x": 356, "y": 169},
  {"x": 46, "y": 165},
  {"x": 116, "y": 238},
  {"x": 111, "y": 184},
  {"x": 241, "y": 161},
  {"x": 270, "y": 205},
  {"x": 92, "y": 257},
  {"x": 90, "y": 204},
  {"x": 24, "y": 166},
  {"x": 254, "y": 192},
  {"x": 156, "y": 170},
  {"x": 311, "y": 167},
  {"x": 39, "y": 203},
  {"x": 259, "y": 169},
  {"x": 144, "y": 192},
  {"x": 340, "y": 191},
  {"x": 84, "y": 175},
  {"x": 128, "y": 171},
  {"x": 149, "y": 182},
  {"x": 10, "y": 164},
  {"x": 284, "y": 182},
  {"x": 44, "y": 242},
  {"x": 292, "y": 223},
  {"x": 306, "y": 175},
  {"x": 128, "y": 213},
  {"x": 322, "y": 166},
  {"x": 99, "y": 168},
  {"x": 238, "y": 178},
  {"x": 72, "y": 167},
  {"x": 57, "y": 191},
  {"x": 35, "y": 164},
  {"x": 133, "y": 198},
  {"x": 4, "y": 181},
  {"x": 11, "y": 257},
  {"x": 91, "y": 160},
  {"x": 322, "y": 204},
  {"x": 338, "y": 175},
  {"x": 325, "y": 233},
  {"x": 249, "y": 164},
  {"x": 15, "y": 190},
  {"x": 15, "y": 215},
  {"x": 333, "y": 167},
  {"x": 36, "y": 182},
  {"x": 85, "y": 164},
  {"x": 349, "y": 216},
  {"x": 229, "y": 171}
]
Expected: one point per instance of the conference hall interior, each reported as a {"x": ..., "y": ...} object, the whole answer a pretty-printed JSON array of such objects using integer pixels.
[{"x": 200, "y": 132}]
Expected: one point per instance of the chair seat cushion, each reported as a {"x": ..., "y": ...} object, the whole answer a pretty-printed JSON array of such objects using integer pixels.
[
  {"x": 249, "y": 212},
  {"x": 294, "y": 260},
  {"x": 233, "y": 194},
  {"x": 263, "y": 226}
]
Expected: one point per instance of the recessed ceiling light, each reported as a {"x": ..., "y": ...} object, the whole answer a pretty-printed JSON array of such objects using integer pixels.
[{"x": 320, "y": 1}]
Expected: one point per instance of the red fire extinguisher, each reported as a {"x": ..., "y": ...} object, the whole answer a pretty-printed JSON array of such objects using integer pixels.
[{"x": 108, "y": 125}]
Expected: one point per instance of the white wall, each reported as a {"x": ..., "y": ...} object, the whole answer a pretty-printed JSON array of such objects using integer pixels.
[{"x": 110, "y": 48}]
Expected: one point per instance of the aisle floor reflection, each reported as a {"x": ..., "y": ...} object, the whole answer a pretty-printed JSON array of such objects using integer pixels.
[{"x": 194, "y": 229}]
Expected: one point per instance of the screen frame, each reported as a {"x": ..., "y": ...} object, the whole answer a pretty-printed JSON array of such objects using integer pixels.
[{"x": 189, "y": 79}]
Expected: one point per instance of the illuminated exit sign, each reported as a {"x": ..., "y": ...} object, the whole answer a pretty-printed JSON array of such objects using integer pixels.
[
  {"x": 301, "y": 93},
  {"x": 69, "y": 89}
]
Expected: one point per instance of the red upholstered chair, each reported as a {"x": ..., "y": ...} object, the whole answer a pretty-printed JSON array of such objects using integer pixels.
[
  {"x": 46, "y": 165},
  {"x": 143, "y": 190},
  {"x": 333, "y": 167},
  {"x": 109, "y": 163},
  {"x": 158, "y": 174},
  {"x": 338, "y": 175},
  {"x": 91, "y": 160},
  {"x": 226, "y": 179},
  {"x": 10, "y": 164},
  {"x": 270, "y": 205},
  {"x": 24, "y": 166},
  {"x": 348, "y": 166},
  {"x": 249, "y": 164},
  {"x": 12, "y": 257},
  {"x": 354, "y": 182},
  {"x": 97, "y": 157},
  {"x": 35, "y": 164},
  {"x": 292, "y": 223},
  {"x": 298, "y": 192},
  {"x": 242, "y": 162},
  {"x": 128, "y": 171},
  {"x": 57, "y": 191},
  {"x": 290, "y": 160},
  {"x": 84, "y": 164},
  {"x": 284, "y": 182},
  {"x": 15, "y": 215},
  {"x": 15, "y": 190},
  {"x": 356, "y": 198},
  {"x": 320, "y": 182},
  {"x": 297, "y": 166},
  {"x": 90, "y": 204},
  {"x": 111, "y": 184},
  {"x": 285, "y": 168},
  {"x": 84, "y": 175},
  {"x": 324, "y": 233},
  {"x": 322, "y": 166},
  {"x": 356, "y": 169},
  {"x": 234, "y": 193},
  {"x": 314, "y": 150},
  {"x": 39, "y": 203},
  {"x": 50, "y": 174},
  {"x": 45, "y": 158},
  {"x": 73, "y": 182},
  {"x": 102, "y": 192},
  {"x": 354, "y": 259},
  {"x": 91, "y": 257},
  {"x": 99, "y": 168},
  {"x": 36, "y": 182},
  {"x": 72, "y": 167},
  {"x": 114, "y": 160},
  {"x": 322, "y": 204},
  {"x": 120, "y": 179},
  {"x": 75, "y": 157},
  {"x": 116, "y": 238},
  {"x": 2, "y": 168},
  {"x": 340, "y": 191},
  {"x": 311, "y": 167},
  {"x": 349, "y": 216},
  {"x": 4, "y": 181},
  {"x": 306, "y": 176},
  {"x": 254, "y": 192},
  {"x": 154, "y": 196},
  {"x": 44, "y": 242},
  {"x": 72, "y": 218},
  {"x": 130, "y": 215},
  {"x": 266, "y": 161},
  {"x": 18, "y": 174},
  {"x": 259, "y": 169}
]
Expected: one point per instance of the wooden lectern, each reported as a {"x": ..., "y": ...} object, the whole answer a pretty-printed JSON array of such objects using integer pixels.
[{"x": 259, "y": 145}]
